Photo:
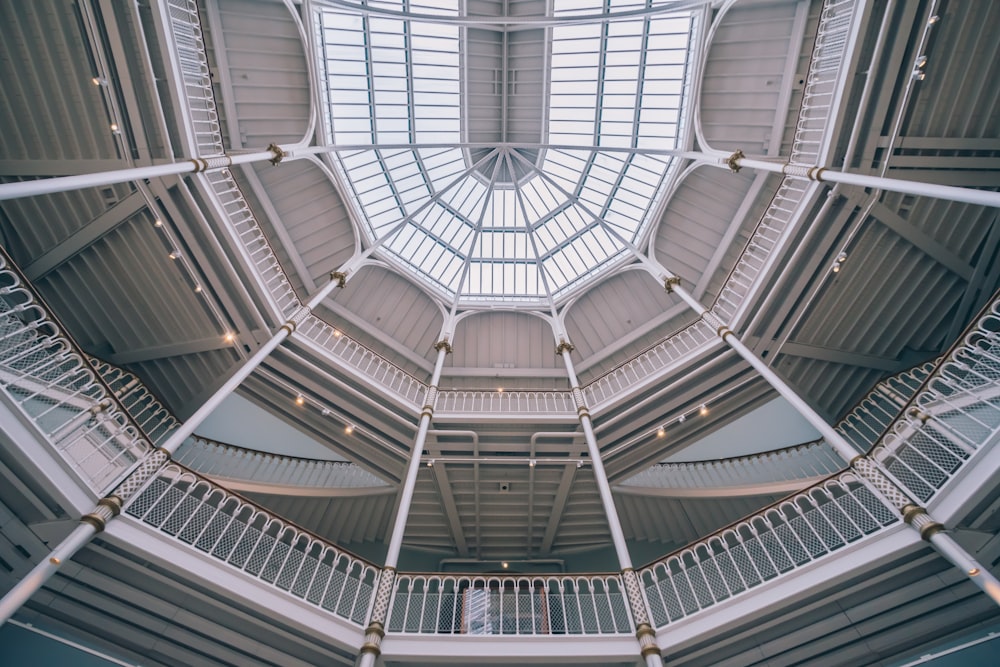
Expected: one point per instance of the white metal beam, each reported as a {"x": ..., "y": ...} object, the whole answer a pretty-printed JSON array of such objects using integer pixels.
[
  {"x": 922, "y": 241},
  {"x": 85, "y": 236},
  {"x": 839, "y": 356}
]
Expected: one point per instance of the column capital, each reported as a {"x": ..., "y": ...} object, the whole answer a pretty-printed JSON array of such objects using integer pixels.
[
  {"x": 340, "y": 277},
  {"x": 670, "y": 282},
  {"x": 443, "y": 344},
  {"x": 564, "y": 346}
]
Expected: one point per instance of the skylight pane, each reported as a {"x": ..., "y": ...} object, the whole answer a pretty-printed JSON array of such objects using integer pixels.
[{"x": 614, "y": 83}]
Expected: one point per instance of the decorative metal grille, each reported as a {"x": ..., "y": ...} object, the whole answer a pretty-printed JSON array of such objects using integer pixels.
[{"x": 204, "y": 516}]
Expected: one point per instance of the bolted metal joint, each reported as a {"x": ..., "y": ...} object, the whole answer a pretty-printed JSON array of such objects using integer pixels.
[
  {"x": 564, "y": 346},
  {"x": 919, "y": 415},
  {"x": 733, "y": 161},
  {"x": 279, "y": 154}
]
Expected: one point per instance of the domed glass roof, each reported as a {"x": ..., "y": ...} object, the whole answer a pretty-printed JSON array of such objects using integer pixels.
[{"x": 509, "y": 156}]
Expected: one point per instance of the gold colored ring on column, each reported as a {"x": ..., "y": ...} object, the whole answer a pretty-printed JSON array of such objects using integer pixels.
[{"x": 929, "y": 530}]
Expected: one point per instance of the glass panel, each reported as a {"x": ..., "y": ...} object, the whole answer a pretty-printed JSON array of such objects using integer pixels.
[{"x": 491, "y": 222}]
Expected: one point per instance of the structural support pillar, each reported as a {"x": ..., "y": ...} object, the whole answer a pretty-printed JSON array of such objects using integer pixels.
[
  {"x": 275, "y": 154},
  {"x": 644, "y": 632},
  {"x": 914, "y": 515},
  {"x": 372, "y": 646},
  {"x": 738, "y": 160},
  {"x": 109, "y": 507}
]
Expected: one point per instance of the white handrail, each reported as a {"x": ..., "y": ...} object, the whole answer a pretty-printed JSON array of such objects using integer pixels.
[
  {"x": 949, "y": 420},
  {"x": 189, "y": 508},
  {"x": 52, "y": 385},
  {"x": 778, "y": 540},
  {"x": 509, "y": 605}
]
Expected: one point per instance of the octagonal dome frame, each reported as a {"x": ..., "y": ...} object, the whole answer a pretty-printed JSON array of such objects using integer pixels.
[{"x": 526, "y": 222}]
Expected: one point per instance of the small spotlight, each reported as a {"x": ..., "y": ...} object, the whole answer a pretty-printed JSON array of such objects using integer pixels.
[
  {"x": 505, "y": 565},
  {"x": 349, "y": 429},
  {"x": 835, "y": 268},
  {"x": 499, "y": 390},
  {"x": 430, "y": 463},
  {"x": 680, "y": 420},
  {"x": 934, "y": 19},
  {"x": 115, "y": 128},
  {"x": 661, "y": 432},
  {"x": 300, "y": 400},
  {"x": 157, "y": 223},
  {"x": 532, "y": 463},
  {"x": 921, "y": 61},
  {"x": 325, "y": 412},
  {"x": 98, "y": 81},
  {"x": 336, "y": 333},
  {"x": 973, "y": 571},
  {"x": 703, "y": 410},
  {"x": 197, "y": 289},
  {"x": 229, "y": 337},
  {"x": 174, "y": 254},
  {"x": 841, "y": 258},
  {"x": 919, "y": 74},
  {"x": 579, "y": 464}
]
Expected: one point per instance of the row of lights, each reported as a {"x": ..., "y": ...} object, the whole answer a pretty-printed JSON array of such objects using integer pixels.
[
  {"x": 918, "y": 67},
  {"x": 300, "y": 400},
  {"x": 702, "y": 412},
  {"x": 228, "y": 336},
  {"x": 531, "y": 462},
  {"x": 101, "y": 81}
]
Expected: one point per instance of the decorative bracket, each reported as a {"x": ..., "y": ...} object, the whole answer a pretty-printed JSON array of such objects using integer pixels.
[
  {"x": 564, "y": 346},
  {"x": 734, "y": 161},
  {"x": 670, "y": 283},
  {"x": 443, "y": 344},
  {"x": 340, "y": 277},
  {"x": 279, "y": 153}
]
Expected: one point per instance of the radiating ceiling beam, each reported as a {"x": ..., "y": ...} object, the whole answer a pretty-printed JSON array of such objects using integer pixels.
[
  {"x": 839, "y": 356},
  {"x": 379, "y": 335},
  {"x": 443, "y": 485},
  {"x": 792, "y": 58},
  {"x": 942, "y": 144},
  {"x": 278, "y": 226},
  {"x": 979, "y": 282},
  {"x": 58, "y": 167},
  {"x": 154, "y": 352},
  {"x": 558, "y": 507},
  {"x": 959, "y": 178},
  {"x": 85, "y": 236},
  {"x": 922, "y": 241}
]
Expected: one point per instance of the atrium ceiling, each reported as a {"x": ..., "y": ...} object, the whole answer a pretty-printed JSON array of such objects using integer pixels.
[{"x": 148, "y": 276}]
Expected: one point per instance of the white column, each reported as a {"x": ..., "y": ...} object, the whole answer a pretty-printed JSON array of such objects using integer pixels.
[
  {"x": 817, "y": 173},
  {"x": 42, "y": 572},
  {"x": 406, "y": 493},
  {"x": 645, "y": 634},
  {"x": 109, "y": 507},
  {"x": 375, "y": 631},
  {"x": 914, "y": 515},
  {"x": 195, "y": 165},
  {"x": 600, "y": 476}
]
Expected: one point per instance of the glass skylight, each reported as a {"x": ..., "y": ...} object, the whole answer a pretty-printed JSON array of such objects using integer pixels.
[{"x": 557, "y": 183}]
